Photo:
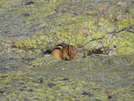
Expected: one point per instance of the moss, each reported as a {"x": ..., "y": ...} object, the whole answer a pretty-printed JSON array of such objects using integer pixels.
[
  {"x": 3, "y": 5},
  {"x": 33, "y": 43},
  {"x": 126, "y": 23},
  {"x": 69, "y": 26},
  {"x": 124, "y": 44},
  {"x": 81, "y": 79},
  {"x": 72, "y": 83}
]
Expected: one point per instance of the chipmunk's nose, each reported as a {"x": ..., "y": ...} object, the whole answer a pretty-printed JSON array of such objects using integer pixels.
[{"x": 66, "y": 58}]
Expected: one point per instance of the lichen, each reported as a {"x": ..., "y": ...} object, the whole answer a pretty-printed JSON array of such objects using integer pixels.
[
  {"x": 124, "y": 44},
  {"x": 126, "y": 23}
]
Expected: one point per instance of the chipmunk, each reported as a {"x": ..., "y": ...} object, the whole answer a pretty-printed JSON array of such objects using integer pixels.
[{"x": 64, "y": 51}]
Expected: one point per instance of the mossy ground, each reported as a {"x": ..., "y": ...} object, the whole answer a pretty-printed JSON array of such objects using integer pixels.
[
  {"x": 30, "y": 27},
  {"x": 89, "y": 78},
  {"x": 89, "y": 24}
]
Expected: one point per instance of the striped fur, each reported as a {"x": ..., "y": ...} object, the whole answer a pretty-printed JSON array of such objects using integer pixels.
[{"x": 64, "y": 51}]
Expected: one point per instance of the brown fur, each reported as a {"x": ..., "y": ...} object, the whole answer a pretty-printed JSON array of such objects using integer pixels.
[
  {"x": 72, "y": 52},
  {"x": 64, "y": 51}
]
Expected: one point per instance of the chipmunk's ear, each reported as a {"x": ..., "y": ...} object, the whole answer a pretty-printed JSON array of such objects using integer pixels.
[{"x": 67, "y": 47}]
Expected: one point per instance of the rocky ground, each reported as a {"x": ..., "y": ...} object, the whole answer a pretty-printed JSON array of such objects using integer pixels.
[{"x": 102, "y": 31}]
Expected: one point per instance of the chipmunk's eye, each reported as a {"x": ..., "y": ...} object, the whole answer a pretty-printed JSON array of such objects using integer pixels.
[{"x": 67, "y": 46}]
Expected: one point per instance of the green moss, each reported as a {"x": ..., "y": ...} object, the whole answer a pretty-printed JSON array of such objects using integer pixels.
[
  {"x": 125, "y": 23},
  {"x": 3, "y": 5},
  {"x": 33, "y": 43},
  {"x": 83, "y": 79},
  {"x": 124, "y": 44},
  {"x": 71, "y": 83},
  {"x": 68, "y": 27}
]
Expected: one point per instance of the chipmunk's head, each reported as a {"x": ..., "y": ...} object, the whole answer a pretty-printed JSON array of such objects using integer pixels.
[
  {"x": 69, "y": 52},
  {"x": 72, "y": 52}
]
